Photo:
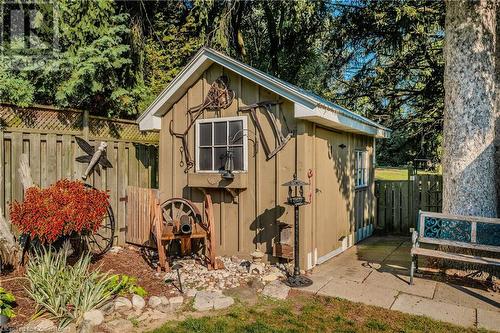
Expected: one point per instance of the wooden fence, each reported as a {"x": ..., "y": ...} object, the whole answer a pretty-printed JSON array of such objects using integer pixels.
[
  {"x": 47, "y": 136},
  {"x": 398, "y": 201}
]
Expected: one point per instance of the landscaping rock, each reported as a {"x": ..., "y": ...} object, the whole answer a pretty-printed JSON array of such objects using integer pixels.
[
  {"x": 223, "y": 302},
  {"x": 119, "y": 326},
  {"x": 256, "y": 284},
  {"x": 176, "y": 302},
  {"x": 257, "y": 268},
  {"x": 108, "y": 308},
  {"x": 276, "y": 290},
  {"x": 71, "y": 328},
  {"x": 270, "y": 277},
  {"x": 138, "y": 302},
  {"x": 115, "y": 249},
  {"x": 94, "y": 317},
  {"x": 154, "y": 302},
  {"x": 191, "y": 292},
  {"x": 243, "y": 294},
  {"x": 208, "y": 300},
  {"x": 39, "y": 325},
  {"x": 122, "y": 304}
]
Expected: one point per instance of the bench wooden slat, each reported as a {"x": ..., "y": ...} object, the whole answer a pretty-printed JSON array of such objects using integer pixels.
[
  {"x": 455, "y": 256},
  {"x": 491, "y": 248}
]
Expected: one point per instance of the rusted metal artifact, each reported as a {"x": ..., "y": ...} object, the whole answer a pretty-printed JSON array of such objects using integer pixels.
[
  {"x": 218, "y": 97},
  {"x": 281, "y": 139}
]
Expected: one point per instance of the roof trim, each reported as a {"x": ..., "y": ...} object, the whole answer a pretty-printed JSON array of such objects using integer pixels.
[{"x": 308, "y": 105}]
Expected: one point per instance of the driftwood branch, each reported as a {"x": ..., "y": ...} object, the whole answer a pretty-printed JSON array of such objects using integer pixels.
[{"x": 25, "y": 172}]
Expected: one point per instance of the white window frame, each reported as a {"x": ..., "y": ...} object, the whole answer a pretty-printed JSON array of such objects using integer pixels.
[
  {"x": 361, "y": 168},
  {"x": 217, "y": 120}
]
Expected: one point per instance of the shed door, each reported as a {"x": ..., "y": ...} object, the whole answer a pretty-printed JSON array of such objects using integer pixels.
[{"x": 332, "y": 192}]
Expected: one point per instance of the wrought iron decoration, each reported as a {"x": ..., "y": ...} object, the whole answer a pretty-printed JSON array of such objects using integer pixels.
[
  {"x": 218, "y": 97},
  {"x": 94, "y": 157}
]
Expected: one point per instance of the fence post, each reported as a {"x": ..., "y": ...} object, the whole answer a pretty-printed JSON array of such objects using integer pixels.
[
  {"x": 411, "y": 178},
  {"x": 85, "y": 124}
]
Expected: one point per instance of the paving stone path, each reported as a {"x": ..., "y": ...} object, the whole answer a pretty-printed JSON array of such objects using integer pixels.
[{"x": 375, "y": 272}]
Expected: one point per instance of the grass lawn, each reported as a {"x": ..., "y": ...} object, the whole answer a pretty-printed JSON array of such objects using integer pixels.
[
  {"x": 391, "y": 174},
  {"x": 307, "y": 313},
  {"x": 395, "y": 173}
]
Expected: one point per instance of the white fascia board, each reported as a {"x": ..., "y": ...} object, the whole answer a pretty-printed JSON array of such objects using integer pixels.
[
  {"x": 336, "y": 120},
  {"x": 150, "y": 123}
]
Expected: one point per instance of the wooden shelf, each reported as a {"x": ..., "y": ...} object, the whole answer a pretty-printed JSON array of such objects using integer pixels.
[{"x": 215, "y": 180}]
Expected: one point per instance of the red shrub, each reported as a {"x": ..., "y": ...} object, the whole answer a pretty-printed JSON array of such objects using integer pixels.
[{"x": 63, "y": 208}]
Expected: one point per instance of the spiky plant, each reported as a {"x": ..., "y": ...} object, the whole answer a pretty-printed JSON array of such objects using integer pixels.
[{"x": 66, "y": 292}]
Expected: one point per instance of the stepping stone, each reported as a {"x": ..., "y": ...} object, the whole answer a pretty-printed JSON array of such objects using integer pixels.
[
  {"x": 208, "y": 300},
  {"x": 276, "y": 290}
]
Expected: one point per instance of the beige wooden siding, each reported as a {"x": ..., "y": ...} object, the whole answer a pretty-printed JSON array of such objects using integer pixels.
[{"x": 248, "y": 221}]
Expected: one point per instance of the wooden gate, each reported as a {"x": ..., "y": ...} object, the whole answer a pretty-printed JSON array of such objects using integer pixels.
[
  {"x": 141, "y": 206},
  {"x": 398, "y": 202}
]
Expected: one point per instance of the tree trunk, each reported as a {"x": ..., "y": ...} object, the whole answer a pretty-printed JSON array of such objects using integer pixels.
[{"x": 470, "y": 109}]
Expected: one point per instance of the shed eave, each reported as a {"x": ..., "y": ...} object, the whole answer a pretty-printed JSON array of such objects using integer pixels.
[
  {"x": 339, "y": 121},
  {"x": 307, "y": 105}
]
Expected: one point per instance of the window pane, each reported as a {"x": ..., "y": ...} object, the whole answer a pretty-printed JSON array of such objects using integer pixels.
[
  {"x": 237, "y": 157},
  {"x": 205, "y": 162},
  {"x": 220, "y": 133},
  {"x": 235, "y": 132},
  {"x": 220, "y": 158},
  {"x": 205, "y": 134}
]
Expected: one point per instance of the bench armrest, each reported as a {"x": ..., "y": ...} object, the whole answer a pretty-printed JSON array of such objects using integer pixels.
[{"x": 414, "y": 238}]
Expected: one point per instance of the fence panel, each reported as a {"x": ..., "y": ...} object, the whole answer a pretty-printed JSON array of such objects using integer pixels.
[
  {"x": 47, "y": 136},
  {"x": 398, "y": 202}
]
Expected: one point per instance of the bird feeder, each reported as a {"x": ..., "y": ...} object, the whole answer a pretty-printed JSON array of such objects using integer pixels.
[{"x": 296, "y": 199}]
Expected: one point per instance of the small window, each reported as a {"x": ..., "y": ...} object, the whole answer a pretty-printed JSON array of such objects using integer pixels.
[
  {"x": 215, "y": 137},
  {"x": 361, "y": 170}
]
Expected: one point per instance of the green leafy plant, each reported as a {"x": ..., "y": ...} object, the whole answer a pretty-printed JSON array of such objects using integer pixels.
[
  {"x": 7, "y": 302},
  {"x": 66, "y": 292},
  {"x": 123, "y": 284}
]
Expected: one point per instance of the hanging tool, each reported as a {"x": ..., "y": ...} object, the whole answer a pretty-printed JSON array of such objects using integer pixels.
[
  {"x": 282, "y": 140},
  {"x": 219, "y": 96}
]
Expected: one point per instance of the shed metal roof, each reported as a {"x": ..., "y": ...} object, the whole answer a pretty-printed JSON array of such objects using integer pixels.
[{"x": 307, "y": 105}]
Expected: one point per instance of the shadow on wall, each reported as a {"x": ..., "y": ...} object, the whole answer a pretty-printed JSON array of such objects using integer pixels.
[{"x": 265, "y": 225}]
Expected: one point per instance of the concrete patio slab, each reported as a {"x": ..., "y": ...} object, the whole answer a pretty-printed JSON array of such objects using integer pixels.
[
  {"x": 452, "y": 313},
  {"x": 468, "y": 297},
  {"x": 376, "y": 272},
  {"x": 489, "y": 320},
  {"x": 357, "y": 292},
  {"x": 401, "y": 282}
]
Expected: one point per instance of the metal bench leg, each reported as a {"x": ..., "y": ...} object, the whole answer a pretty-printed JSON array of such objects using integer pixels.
[{"x": 412, "y": 269}]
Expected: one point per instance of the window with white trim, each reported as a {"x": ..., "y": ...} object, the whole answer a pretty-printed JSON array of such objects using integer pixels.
[
  {"x": 215, "y": 137},
  {"x": 361, "y": 169}
]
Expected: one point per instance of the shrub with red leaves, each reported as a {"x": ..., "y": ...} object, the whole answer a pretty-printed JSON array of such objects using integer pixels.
[{"x": 62, "y": 209}]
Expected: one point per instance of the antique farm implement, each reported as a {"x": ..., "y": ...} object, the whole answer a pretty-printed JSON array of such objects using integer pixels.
[
  {"x": 179, "y": 219},
  {"x": 281, "y": 140},
  {"x": 218, "y": 97}
]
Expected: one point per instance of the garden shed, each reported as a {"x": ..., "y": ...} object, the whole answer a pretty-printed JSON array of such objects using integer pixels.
[{"x": 272, "y": 130}]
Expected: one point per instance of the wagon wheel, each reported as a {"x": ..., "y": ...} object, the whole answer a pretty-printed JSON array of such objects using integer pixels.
[
  {"x": 101, "y": 241},
  {"x": 173, "y": 209}
]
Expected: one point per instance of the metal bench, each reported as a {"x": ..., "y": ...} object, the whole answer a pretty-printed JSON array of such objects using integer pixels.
[{"x": 470, "y": 232}]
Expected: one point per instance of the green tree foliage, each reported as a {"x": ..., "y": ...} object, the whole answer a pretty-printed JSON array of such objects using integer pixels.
[
  {"x": 386, "y": 62},
  {"x": 382, "y": 59}
]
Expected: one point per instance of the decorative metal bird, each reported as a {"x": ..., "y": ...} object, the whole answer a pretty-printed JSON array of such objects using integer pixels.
[{"x": 94, "y": 157}]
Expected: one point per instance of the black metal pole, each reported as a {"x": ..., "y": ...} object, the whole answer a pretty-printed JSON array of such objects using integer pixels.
[{"x": 296, "y": 269}]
